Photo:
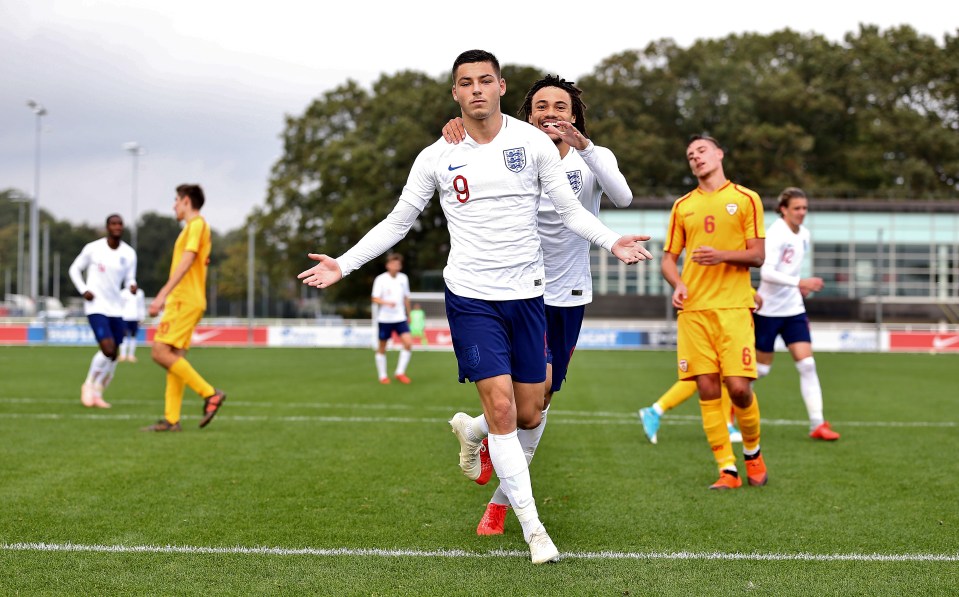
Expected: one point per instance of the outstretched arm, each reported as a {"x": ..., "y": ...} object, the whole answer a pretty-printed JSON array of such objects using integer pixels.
[{"x": 393, "y": 229}]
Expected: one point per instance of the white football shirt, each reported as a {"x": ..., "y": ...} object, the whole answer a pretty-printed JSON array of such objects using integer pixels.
[
  {"x": 395, "y": 290},
  {"x": 134, "y": 305},
  {"x": 780, "y": 273},
  {"x": 591, "y": 172},
  {"x": 107, "y": 272}
]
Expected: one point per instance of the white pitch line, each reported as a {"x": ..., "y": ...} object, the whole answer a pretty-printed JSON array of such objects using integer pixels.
[
  {"x": 498, "y": 553},
  {"x": 558, "y": 419},
  {"x": 572, "y": 417}
]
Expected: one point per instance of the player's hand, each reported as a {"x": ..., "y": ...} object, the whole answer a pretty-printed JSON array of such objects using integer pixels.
[
  {"x": 88, "y": 295},
  {"x": 810, "y": 285},
  {"x": 570, "y": 135},
  {"x": 325, "y": 273},
  {"x": 156, "y": 305},
  {"x": 706, "y": 255},
  {"x": 454, "y": 131},
  {"x": 628, "y": 249},
  {"x": 758, "y": 300},
  {"x": 680, "y": 294}
]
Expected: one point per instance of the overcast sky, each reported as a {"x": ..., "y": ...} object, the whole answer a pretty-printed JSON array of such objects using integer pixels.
[{"x": 204, "y": 86}]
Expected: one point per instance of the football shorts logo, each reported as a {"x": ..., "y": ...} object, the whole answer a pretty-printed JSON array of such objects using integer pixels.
[
  {"x": 472, "y": 356},
  {"x": 575, "y": 180},
  {"x": 731, "y": 208},
  {"x": 515, "y": 158},
  {"x": 683, "y": 365}
]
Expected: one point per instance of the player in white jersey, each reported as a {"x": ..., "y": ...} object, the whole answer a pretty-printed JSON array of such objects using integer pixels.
[
  {"x": 391, "y": 295},
  {"x": 134, "y": 311},
  {"x": 489, "y": 189},
  {"x": 555, "y": 106},
  {"x": 110, "y": 264},
  {"x": 783, "y": 312}
]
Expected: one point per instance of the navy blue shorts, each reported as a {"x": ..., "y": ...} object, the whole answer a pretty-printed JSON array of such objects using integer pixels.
[
  {"x": 794, "y": 328},
  {"x": 493, "y": 338},
  {"x": 562, "y": 331},
  {"x": 387, "y": 329},
  {"x": 131, "y": 327},
  {"x": 106, "y": 327}
]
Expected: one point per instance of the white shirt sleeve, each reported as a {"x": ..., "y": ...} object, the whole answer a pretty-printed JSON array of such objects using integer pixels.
[
  {"x": 377, "y": 241},
  {"x": 575, "y": 217},
  {"x": 602, "y": 163},
  {"x": 77, "y": 268},
  {"x": 769, "y": 272}
]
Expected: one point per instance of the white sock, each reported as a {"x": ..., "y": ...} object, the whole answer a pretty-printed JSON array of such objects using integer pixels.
[
  {"x": 99, "y": 366},
  {"x": 131, "y": 344},
  {"x": 811, "y": 390},
  {"x": 509, "y": 462},
  {"x": 529, "y": 439},
  {"x": 763, "y": 370},
  {"x": 380, "y": 365},
  {"x": 659, "y": 409},
  {"x": 108, "y": 375},
  {"x": 404, "y": 361},
  {"x": 478, "y": 428}
]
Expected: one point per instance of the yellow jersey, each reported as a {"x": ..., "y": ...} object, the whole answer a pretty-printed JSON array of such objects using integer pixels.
[
  {"x": 725, "y": 220},
  {"x": 195, "y": 237}
]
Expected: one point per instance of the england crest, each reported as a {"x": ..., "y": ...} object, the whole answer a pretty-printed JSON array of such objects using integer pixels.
[
  {"x": 575, "y": 180},
  {"x": 731, "y": 208},
  {"x": 515, "y": 158},
  {"x": 472, "y": 356}
]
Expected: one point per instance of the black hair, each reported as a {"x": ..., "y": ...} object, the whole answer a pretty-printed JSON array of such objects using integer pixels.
[
  {"x": 471, "y": 56},
  {"x": 575, "y": 96}
]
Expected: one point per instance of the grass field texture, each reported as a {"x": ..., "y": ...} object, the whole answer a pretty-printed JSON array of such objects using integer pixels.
[{"x": 314, "y": 479}]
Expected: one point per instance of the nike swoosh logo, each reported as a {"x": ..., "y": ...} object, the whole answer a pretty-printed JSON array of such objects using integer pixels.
[
  {"x": 198, "y": 338},
  {"x": 452, "y": 167},
  {"x": 938, "y": 342}
]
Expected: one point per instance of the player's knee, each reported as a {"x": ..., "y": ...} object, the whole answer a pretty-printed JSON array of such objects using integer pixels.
[
  {"x": 806, "y": 365},
  {"x": 529, "y": 420},
  {"x": 762, "y": 370}
]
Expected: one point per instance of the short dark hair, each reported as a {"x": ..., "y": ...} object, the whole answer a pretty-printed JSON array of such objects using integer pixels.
[
  {"x": 704, "y": 137},
  {"x": 111, "y": 216},
  {"x": 194, "y": 192},
  {"x": 575, "y": 96},
  {"x": 394, "y": 257},
  {"x": 788, "y": 194},
  {"x": 471, "y": 56}
]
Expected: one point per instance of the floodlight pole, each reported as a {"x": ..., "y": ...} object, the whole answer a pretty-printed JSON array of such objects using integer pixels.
[
  {"x": 40, "y": 112},
  {"x": 135, "y": 151}
]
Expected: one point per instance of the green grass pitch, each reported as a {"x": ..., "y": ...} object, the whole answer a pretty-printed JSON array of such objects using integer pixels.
[{"x": 314, "y": 479}]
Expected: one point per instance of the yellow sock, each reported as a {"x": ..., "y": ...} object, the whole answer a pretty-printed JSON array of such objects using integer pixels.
[
  {"x": 727, "y": 403},
  {"x": 749, "y": 425},
  {"x": 188, "y": 374},
  {"x": 680, "y": 392},
  {"x": 714, "y": 424},
  {"x": 173, "y": 397}
]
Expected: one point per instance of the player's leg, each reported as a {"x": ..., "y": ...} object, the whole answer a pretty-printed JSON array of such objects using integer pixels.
[
  {"x": 379, "y": 356},
  {"x": 169, "y": 351},
  {"x": 798, "y": 339},
  {"x": 738, "y": 359},
  {"x": 735, "y": 436},
  {"x": 130, "y": 341},
  {"x": 679, "y": 392},
  {"x": 405, "y": 353},
  {"x": 696, "y": 359}
]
